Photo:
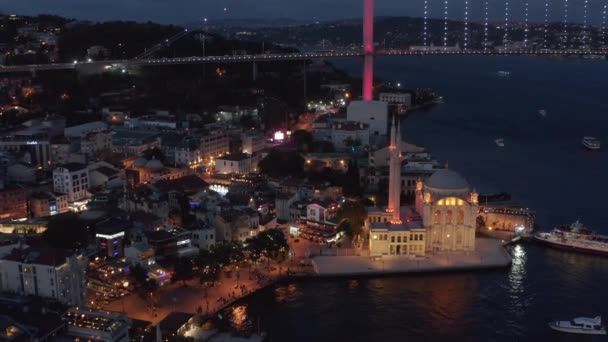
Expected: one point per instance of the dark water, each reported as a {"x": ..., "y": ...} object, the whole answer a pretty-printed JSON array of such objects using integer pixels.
[{"x": 542, "y": 165}]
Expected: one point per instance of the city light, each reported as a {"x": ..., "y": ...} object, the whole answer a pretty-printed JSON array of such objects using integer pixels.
[
  {"x": 564, "y": 39},
  {"x": 445, "y": 24},
  {"x": 485, "y": 26},
  {"x": 466, "y": 24},
  {"x": 546, "y": 24},
  {"x": 425, "y": 25},
  {"x": 505, "y": 37},
  {"x": 526, "y": 5},
  {"x": 279, "y": 136}
]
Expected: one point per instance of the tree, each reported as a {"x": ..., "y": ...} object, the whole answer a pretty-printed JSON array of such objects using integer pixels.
[
  {"x": 282, "y": 164},
  {"x": 351, "y": 185},
  {"x": 67, "y": 231},
  {"x": 248, "y": 121},
  {"x": 270, "y": 243},
  {"x": 140, "y": 274},
  {"x": 354, "y": 213},
  {"x": 303, "y": 140},
  {"x": 183, "y": 270}
]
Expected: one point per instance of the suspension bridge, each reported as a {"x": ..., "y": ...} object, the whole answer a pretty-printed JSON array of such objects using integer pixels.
[{"x": 537, "y": 38}]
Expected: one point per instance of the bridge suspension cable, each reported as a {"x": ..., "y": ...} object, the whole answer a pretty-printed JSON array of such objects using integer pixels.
[
  {"x": 445, "y": 24},
  {"x": 564, "y": 37},
  {"x": 485, "y": 25},
  {"x": 546, "y": 24},
  {"x": 162, "y": 44},
  {"x": 603, "y": 27},
  {"x": 526, "y": 29},
  {"x": 425, "y": 28},
  {"x": 586, "y": 40},
  {"x": 505, "y": 37},
  {"x": 466, "y": 24}
]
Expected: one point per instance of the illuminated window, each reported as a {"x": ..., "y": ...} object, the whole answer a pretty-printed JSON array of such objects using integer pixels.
[
  {"x": 437, "y": 217},
  {"x": 460, "y": 217}
]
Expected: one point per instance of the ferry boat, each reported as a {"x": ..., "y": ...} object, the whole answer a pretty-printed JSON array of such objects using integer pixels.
[
  {"x": 580, "y": 325},
  {"x": 542, "y": 112},
  {"x": 500, "y": 142},
  {"x": 591, "y": 143},
  {"x": 503, "y": 73},
  {"x": 576, "y": 237}
]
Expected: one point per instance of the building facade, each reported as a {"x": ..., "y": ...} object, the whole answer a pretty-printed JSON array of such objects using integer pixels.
[
  {"x": 73, "y": 180},
  {"x": 214, "y": 144},
  {"x": 396, "y": 98},
  {"x": 13, "y": 203},
  {"x": 237, "y": 164},
  {"x": 391, "y": 233},
  {"x": 43, "y": 204},
  {"x": 45, "y": 272},
  {"x": 449, "y": 212}
]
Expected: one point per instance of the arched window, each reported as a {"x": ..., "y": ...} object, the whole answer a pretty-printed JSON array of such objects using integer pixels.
[
  {"x": 437, "y": 217},
  {"x": 459, "y": 236},
  {"x": 448, "y": 217},
  {"x": 460, "y": 217}
]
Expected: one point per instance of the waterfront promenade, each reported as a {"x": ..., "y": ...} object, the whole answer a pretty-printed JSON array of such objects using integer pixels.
[
  {"x": 179, "y": 298},
  {"x": 489, "y": 253}
]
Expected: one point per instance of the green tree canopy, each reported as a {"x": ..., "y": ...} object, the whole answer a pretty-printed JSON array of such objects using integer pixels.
[
  {"x": 270, "y": 243},
  {"x": 354, "y": 214},
  {"x": 67, "y": 231},
  {"x": 282, "y": 164}
]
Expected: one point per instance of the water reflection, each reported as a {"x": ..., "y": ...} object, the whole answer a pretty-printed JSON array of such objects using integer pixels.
[
  {"x": 519, "y": 300},
  {"x": 449, "y": 304},
  {"x": 287, "y": 293},
  {"x": 238, "y": 318}
]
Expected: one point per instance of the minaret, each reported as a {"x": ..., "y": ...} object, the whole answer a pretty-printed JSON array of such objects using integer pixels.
[{"x": 394, "y": 185}]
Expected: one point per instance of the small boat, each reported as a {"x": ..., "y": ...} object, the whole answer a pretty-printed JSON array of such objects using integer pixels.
[
  {"x": 503, "y": 73},
  {"x": 580, "y": 325},
  {"x": 591, "y": 143},
  {"x": 542, "y": 112},
  {"x": 500, "y": 142},
  {"x": 439, "y": 99}
]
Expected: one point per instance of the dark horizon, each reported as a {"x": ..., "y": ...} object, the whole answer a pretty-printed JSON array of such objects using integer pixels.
[{"x": 190, "y": 11}]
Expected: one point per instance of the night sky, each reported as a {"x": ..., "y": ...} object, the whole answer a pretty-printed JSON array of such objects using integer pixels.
[{"x": 188, "y": 11}]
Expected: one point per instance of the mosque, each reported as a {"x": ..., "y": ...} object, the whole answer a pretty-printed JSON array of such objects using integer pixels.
[{"x": 444, "y": 219}]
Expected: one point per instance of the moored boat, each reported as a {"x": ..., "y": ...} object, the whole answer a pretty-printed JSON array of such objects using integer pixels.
[
  {"x": 500, "y": 142},
  {"x": 591, "y": 143},
  {"x": 580, "y": 325},
  {"x": 577, "y": 238}
]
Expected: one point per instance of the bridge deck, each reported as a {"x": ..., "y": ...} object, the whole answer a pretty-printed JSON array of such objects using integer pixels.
[{"x": 290, "y": 57}]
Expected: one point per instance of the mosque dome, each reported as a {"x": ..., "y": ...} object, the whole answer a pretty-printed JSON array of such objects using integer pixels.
[
  {"x": 140, "y": 162},
  {"x": 154, "y": 164},
  {"x": 447, "y": 180}
]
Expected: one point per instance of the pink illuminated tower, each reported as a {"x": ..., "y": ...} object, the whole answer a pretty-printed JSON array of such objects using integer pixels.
[{"x": 368, "y": 46}]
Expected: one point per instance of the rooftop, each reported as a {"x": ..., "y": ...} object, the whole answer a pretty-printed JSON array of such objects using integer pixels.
[
  {"x": 73, "y": 167},
  {"x": 447, "y": 180},
  {"x": 106, "y": 171},
  {"x": 235, "y": 157},
  {"x": 39, "y": 256},
  {"x": 190, "y": 183}
]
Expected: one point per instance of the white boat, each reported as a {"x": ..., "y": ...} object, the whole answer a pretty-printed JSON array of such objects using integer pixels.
[
  {"x": 500, "y": 142},
  {"x": 542, "y": 112},
  {"x": 591, "y": 143},
  {"x": 580, "y": 325},
  {"x": 503, "y": 73}
]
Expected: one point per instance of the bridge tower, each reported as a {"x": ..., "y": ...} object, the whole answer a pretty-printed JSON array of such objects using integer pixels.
[{"x": 368, "y": 46}]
